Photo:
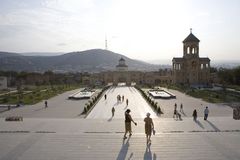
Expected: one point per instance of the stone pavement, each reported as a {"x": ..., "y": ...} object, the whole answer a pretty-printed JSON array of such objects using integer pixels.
[
  {"x": 191, "y": 103},
  {"x": 42, "y": 139},
  {"x": 58, "y": 107},
  {"x": 138, "y": 106},
  {"x": 58, "y": 132}
]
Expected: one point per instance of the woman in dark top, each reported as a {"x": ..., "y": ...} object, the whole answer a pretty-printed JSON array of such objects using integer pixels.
[
  {"x": 194, "y": 115},
  {"x": 128, "y": 120}
]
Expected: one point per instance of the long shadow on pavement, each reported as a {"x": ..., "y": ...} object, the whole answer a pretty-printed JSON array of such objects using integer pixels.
[
  {"x": 199, "y": 124},
  {"x": 183, "y": 113},
  {"x": 40, "y": 109},
  {"x": 123, "y": 152},
  {"x": 213, "y": 126},
  {"x": 110, "y": 119},
  {"x": 148, "y": 154}
]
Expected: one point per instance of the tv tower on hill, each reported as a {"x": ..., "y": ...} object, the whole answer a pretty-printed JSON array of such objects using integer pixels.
[{"x": 106, "y": 45}]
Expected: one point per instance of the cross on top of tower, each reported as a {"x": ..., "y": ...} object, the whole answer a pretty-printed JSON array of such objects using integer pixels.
[{"x": 190, "y": 30}]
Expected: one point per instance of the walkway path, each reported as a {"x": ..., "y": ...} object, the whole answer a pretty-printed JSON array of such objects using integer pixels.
[
  {"x": 57, "y": 132},
  {"x": 138, "y": 106},
  {"x": 88, "y": 139},
  {"x": 58, "y": 107},
  {"x": 191, "y": 103}
]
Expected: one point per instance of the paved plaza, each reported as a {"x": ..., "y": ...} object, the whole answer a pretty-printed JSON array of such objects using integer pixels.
[
  {"x": 58, "y": 107},
  {"x": 138, "y": 106},
  {"x": 60, "y": 132}
]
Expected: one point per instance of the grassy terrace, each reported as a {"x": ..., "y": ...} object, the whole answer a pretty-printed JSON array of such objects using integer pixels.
[
  {"x": 35, "y": 94},
  {"x": 220, "y": 96}
]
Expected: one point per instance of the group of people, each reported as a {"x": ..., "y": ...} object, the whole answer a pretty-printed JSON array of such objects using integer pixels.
[
  {"x": 206, "y": 112},
  {"x": 119, "y": 99},
  {"x": 176, "y": 114},
  {"x": 149, "y": 126}
]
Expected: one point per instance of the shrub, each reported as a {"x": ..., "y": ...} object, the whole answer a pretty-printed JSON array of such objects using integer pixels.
[
  {"x": 5, "y": 100},
  {"x": 155, "y": 106},
  {"x": 84, "y": 110},
  {"x": 159, "y": 111},
  {"x": 88, "y": 106}
]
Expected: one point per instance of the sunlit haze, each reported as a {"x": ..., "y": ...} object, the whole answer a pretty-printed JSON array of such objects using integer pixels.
[{"x": 139, "y": 29}]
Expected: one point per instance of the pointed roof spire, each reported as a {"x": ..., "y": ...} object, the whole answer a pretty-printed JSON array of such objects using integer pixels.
[
  {"x": 121, "y": 59},
  {"x": 191, "y": 38}
]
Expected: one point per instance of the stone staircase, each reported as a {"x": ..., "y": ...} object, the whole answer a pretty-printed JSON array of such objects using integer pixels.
[{"x": 41, "y": 139}]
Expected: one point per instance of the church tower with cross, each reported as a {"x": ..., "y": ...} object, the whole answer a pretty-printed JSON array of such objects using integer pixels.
[
  {"x": 191, "y": 45},
  {"x": 191, "y": 69}
]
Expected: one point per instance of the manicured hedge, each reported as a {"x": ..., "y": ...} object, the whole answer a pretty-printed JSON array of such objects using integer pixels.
[
  {"x": 150, "y": 101},
  {"x": 93, "y": 100}
]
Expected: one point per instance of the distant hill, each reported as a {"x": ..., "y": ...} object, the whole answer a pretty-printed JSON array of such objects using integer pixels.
[{"x": 94, "y": 60}]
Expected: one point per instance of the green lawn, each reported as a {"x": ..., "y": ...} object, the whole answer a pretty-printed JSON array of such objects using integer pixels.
[
  {"x": 208, "y": 95},
  {"x": 35, "y": 94},
  {"x": 214, "y": 96}
]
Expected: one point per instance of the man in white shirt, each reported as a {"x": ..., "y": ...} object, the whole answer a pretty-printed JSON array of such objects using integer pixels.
[{"x": 206, "y": 112}]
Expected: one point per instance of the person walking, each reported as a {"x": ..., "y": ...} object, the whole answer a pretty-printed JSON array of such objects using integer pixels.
[
  {"x": 178, "y": 116},
  {"x": 128, "y": 120},
  {"x": 105, "y": 96},
  {"x": 113, "y": 111},
  {"x": 122, "y": 98},
  {"x": 118, "y": 98},
  {"x": 194, "y": 115},
  {"x": 175, "y": 111},
  {"x": 149, "y": 127},
  {"x": 206, "y": 112},
  {"x": 175, "y": 106},
  {"x": 181, "y": 108},
  {"x": 46, "y": 104},
  {"x": 127, "y": 102}
]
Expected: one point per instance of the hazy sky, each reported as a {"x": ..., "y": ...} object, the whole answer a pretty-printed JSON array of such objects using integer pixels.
[{"x": 140, "y": 29}]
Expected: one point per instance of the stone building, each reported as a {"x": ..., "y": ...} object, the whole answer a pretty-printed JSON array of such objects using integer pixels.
[
  {"x": 121, "y": 65},
  {"x": 188, "y": 70},
  {"x": 191, "y": 69},
  {"x": 123, "y": 75}
]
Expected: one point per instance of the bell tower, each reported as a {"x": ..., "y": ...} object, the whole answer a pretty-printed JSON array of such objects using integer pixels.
[{"x": 191, "y": 46}]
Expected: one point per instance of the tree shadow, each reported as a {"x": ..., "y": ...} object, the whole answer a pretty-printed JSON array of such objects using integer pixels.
[
  {"x": 124, "y": 149},
  {"x": 130, "y": 89},
  {"x": 213, "y": 126},
  {"x": 199, "y": 123},
  {"x": 113, "y": 88}
]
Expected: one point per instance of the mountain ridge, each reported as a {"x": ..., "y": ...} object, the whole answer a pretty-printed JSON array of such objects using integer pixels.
[{"x": 93, "y": 60}]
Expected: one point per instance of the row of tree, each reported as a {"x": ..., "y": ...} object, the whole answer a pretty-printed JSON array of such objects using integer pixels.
[
  {"x": 46, "y": 78},
  {"x": 225, "y": 76},
  {"x": 228, "y": 76}
]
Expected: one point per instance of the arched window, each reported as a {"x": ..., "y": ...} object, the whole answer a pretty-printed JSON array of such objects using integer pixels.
[
  {"x": 193, "y": 50},
  {"x": 188, "y": 50}
]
